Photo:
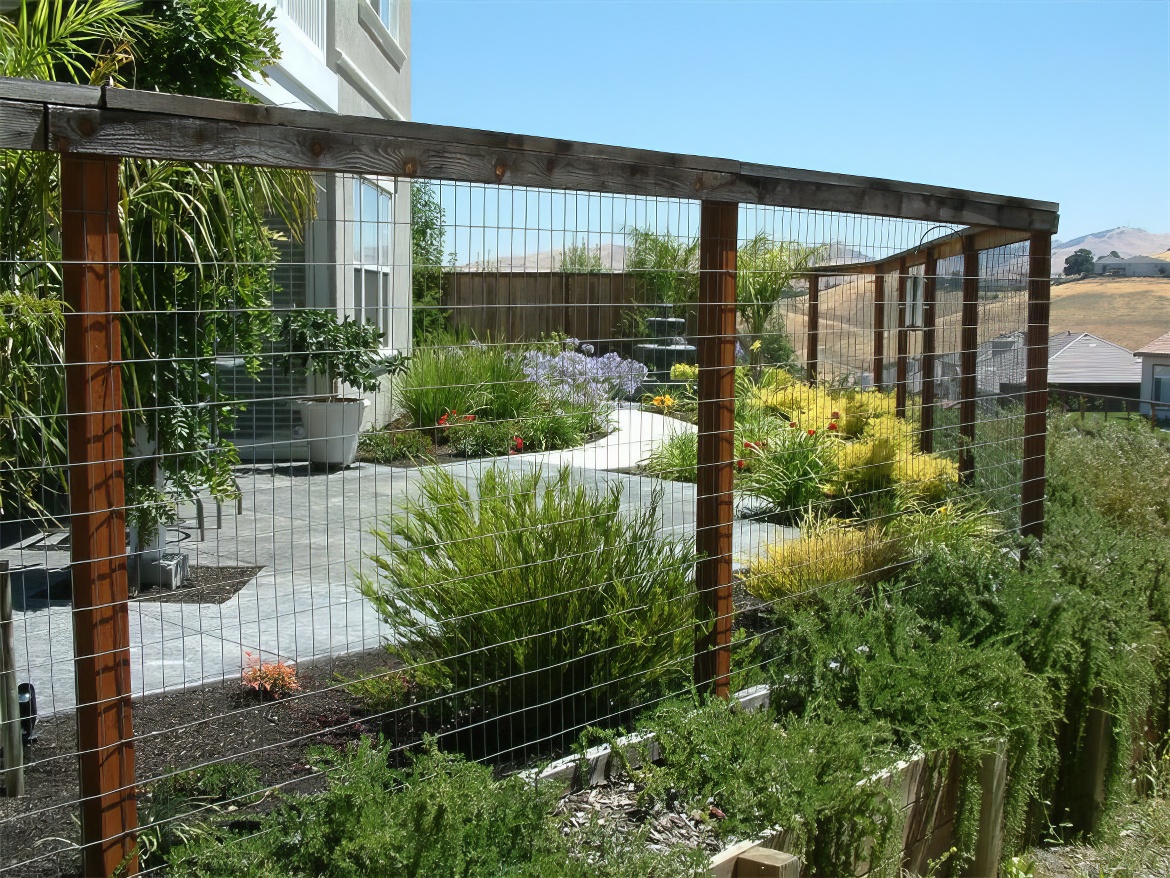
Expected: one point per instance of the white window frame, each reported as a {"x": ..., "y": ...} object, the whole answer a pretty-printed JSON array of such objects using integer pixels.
[
  {"x": 373, "y": 267},
  {"x": 1160, "y": 382},
  {"x": 389, "y": 13}
]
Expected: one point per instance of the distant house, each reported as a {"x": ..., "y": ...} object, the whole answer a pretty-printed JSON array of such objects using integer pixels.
[
  {"x": 1154, "y": 364},
  {"x": 1132, "y": 266},
  {"x": 1078, "y": 362}
]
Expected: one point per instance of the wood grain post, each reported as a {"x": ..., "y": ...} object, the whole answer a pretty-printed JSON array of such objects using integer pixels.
[
  {"x": 879, "y": 330},
  {"x": 101, "y": 629},
  {"x": 813, "y": 336},
  {"x": 968, "y": 359},
  {"x": 929, "y": 349},
  {"x": 1036, "y": 386},
  {"x": 10, "y": 736},
  {"x": 903, "y": 341},
  {"x": 716, "y": 469}
]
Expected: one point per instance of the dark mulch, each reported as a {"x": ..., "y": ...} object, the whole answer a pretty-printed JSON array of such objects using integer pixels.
[
  {"x": 182, "y": 730},
  {"x": 203, "y": 585}
]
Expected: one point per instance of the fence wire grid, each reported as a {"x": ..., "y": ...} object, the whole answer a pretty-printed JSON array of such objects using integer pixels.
[{"x": 406, "y": 457}]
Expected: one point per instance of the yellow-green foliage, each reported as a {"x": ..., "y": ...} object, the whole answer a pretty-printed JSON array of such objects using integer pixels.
[
  {"x": 866, "y": 464},
  {"x": 828, "y": 551},
  {"x": 896, "y": 430},
  {"x": 684, "y": 372},
  {"x": 925, "y": 477},
  {"x": 845, "y": 412}
]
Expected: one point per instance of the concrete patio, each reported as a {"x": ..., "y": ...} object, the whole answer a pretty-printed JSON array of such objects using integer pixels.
[{"x": 310, "y": 532}]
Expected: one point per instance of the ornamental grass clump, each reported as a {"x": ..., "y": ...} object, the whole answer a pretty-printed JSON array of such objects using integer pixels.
[
  {"x": 827, "y": 552},
  {"x": 538, "y": 603}
]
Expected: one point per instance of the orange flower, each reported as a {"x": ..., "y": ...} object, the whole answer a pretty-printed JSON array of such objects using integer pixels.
[{"x": 811, "y": 431}]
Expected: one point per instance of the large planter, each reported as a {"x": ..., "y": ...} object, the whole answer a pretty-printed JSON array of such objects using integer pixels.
[{"x": 332, "y": 425}]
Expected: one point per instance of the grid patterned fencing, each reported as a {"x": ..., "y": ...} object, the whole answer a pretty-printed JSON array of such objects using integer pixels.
[{"x": 323, "y": 427}]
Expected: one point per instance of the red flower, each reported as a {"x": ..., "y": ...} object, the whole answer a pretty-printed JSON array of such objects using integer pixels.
[
  {"x": 811, "y": 431},
  {"x": 443, "y": 421},
  {"x": 518, "y": 443},
  {"x": 792, "y": 424},
  {"x": 833, "y": 427},
  {"x": 741, "y": 463},
  {"x": 469, "y": 417}
]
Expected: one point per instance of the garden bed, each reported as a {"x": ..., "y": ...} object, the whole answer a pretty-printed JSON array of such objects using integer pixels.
[{"x": 187, "y": 728}]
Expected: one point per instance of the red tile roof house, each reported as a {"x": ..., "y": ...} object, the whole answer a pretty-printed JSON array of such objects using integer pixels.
[{"x": 1154, "y": 359}]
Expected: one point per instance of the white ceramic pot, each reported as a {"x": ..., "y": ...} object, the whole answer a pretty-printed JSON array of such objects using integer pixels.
[{"x": 332, "y": 425}]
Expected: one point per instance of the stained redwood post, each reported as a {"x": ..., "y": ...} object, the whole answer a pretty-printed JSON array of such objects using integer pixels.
[
  {"x": 903, "y": 341},
  {"x": 813, "y": 336},
  {"x": 968, "y": 359},
  {"x": 1036, "y": 386},
  {"x": 101, "y": 628},
  {"x": 879, "y": 330},
  {"x": 929, "y": 349},
  {"x": 716, "y": 469}
]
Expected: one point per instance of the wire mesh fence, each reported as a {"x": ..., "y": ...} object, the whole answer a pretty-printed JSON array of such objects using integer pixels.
[{"x": 293, "y": 458}]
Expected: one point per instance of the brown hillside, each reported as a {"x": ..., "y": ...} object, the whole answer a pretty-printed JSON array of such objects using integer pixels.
[{"x": 1126, "y": 311}]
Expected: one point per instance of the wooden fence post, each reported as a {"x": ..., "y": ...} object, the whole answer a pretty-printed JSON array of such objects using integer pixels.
[
  {"x": 101, "y": 629},
  {"x": 10, "y": 736},
  {"x": 968, "y": 361},
  {"x": 929, "y": 349},
  {"x": 1036, "y": 387},
  {"x": 716, "y": 465},
  {"x": 813, "y": 336},
  {"x": 879, "y": 330},
  {"x": 903, "y": 342}
]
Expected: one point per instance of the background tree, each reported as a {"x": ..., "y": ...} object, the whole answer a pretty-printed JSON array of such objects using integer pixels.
[
  {"x": 198, "y": 249},
  {"x": 427, "y": 240},
  {"x": 1081, "y": 262},
  {"x": 765, "y": 271}
]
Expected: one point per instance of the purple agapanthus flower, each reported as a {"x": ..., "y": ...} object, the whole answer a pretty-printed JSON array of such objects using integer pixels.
[{"x": 589, "y": 382}]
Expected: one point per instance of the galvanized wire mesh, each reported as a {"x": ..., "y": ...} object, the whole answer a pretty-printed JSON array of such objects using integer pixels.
[{"x": 509, "y": 559}]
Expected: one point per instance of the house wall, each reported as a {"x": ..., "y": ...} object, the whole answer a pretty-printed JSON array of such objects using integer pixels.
[
  {"x": 1148, "y": 362},
  {"x": 337, "y": 56},
  {"x": 1148, "y": 268}
]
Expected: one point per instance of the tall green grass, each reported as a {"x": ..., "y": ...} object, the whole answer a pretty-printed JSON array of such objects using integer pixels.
[{"x": 542, "y": 602}]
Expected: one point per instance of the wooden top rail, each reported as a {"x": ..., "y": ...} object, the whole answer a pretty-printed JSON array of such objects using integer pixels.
[
  {"x": 951, "y": 245},
  {"x": 122, "y": 122}
]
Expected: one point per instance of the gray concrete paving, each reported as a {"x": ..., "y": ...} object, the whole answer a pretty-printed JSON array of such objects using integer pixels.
[{"x": 310, "y": 532}]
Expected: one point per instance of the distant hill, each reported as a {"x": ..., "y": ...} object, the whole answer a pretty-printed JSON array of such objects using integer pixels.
[{"x": 1126, "y": 241}]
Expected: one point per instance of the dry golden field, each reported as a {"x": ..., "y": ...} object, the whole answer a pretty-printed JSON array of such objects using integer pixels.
[{"x": 1126, "y": 311}]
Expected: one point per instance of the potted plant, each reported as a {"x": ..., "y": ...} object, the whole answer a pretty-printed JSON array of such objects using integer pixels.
[{"x": 347, "y": 353}]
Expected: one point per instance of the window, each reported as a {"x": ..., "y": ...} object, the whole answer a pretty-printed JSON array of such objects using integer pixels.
[
  {"x": 373, "y": 252},
  {"x": 387, "y": 11},
  {"x": 915, "y": 293},
  {"x": 1161, "y": 383}
]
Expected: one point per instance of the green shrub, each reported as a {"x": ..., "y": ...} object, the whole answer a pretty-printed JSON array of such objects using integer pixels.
[
  {"x": 392, "y": 446},
  {"x": 802, "y": 777},
  {"x": 545, "y": 607},
  {"x": 1119, "y": 468},
  {"x": 443, "y": 816},
  {"x": 179, "y": 806}
]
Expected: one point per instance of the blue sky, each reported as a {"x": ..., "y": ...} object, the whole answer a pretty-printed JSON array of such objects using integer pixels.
[{"x": 1064, "y": 101}]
